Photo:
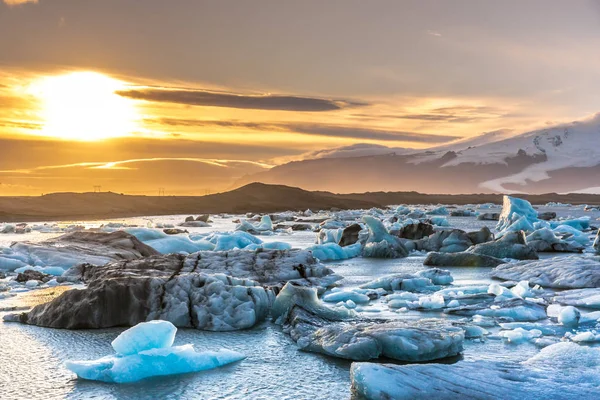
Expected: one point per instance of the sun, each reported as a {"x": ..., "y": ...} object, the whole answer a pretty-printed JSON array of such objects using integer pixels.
[{"x": 84, "y": 106}]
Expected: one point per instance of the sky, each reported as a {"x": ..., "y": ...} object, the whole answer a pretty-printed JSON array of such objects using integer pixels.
[{"x": 189, "y": 95}]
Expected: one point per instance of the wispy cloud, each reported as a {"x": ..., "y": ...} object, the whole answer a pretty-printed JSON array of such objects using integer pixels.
[
  {"x": 197, "y": 97},
  {"x": 122, "y": 164},
  {"x": 434, "y": 33},
  {"x": 308, "y": 128}
]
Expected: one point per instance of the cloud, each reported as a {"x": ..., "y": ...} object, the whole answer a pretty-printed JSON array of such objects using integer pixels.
[
  {"x": 233, "y": 100},
  {"x": 20, "y": 125},
  {"x": 136, "y": 176},
  {"x": 434, "y": 33},
  {"x": 450, "y": 114},
  {"x": 31, "y": 152},
  {"x": 318, "y": 129},
  {"x": 355, "y": 150},
  {"x": 18, "y": 2}
]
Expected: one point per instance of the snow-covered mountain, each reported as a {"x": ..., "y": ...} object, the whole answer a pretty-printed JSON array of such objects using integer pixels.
[{"x": 562, "y": 158}]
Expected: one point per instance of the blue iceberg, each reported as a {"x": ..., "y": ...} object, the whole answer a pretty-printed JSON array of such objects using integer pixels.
[{"x": 145, "y": 351}]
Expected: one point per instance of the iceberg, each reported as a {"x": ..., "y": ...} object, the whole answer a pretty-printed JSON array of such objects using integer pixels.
[
  {"x": 145, "y": 336},
  {"x": 515, "y": 210},
  {"x": 189, "y": 291},
  {"x": 145, "y": 351},
  {"x": 589, "y": 298},
  {"x": 560, "y": 371},
  {"x": 364, "y": 339},
  {"x": 265, "y": 225},
  {"x": 333, "y": 251},
  {"x": 380, "y": 244},
  {"x": 511, "y": 245},
  {"x": 75, "y": 248},
  {"x": 560, "y": 272},
  {"x": 439, "y": 221}
]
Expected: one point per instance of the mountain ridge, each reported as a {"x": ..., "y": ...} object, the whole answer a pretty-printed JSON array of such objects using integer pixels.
[{"x": 255, "y": 197}]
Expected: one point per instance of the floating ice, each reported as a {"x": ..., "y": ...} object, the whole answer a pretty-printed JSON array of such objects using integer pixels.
[
  {"x": 569, "y": 316},
  {"x": 559, "y": 371},
  {"x": 520, "y": 335},
  {"x": 54, "y": 271},
  {"x": 589, "y": 298},
  {"x": 145, "y": 351},
  {"x": 345, "y": 295},
  {"x": 516, "y": 211},
  {"x": 333, "y": 251},
  {"x": 439, "y": 221},
  {"x": 559, "y": 272},
  {"x": 380, "y": 244},
  {"x": 145, "y": 336}
]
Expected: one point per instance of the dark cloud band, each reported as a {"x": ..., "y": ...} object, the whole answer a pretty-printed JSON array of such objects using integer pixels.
[{"x": 219, "y": 99}]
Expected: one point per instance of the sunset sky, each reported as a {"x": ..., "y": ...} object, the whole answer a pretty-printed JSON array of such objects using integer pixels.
[{"x": 189, "y": 95}]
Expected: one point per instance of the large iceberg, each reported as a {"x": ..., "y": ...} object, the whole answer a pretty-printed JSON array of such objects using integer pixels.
[
  {"x": 75, "y": 248},
  {"x": 560, "y": 371},
  {"x": 559, "y": 272},
  {"x": 145, "y": 351},
  {"x": 189, "y": 291},
  {"x": 338, "y": 333}
]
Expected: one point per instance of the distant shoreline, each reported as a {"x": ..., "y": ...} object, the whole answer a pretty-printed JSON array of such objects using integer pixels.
[{"x": 255, "y": 197}]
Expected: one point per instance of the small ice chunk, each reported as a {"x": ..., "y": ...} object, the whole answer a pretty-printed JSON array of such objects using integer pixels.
[{"x": 569, "y": 316}]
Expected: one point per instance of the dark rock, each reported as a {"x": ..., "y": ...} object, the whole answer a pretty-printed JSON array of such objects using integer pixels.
[
  {"x": 462, "y": 259},
  {"x": 174, "y": 231},
  {"x": 414, "y": 231},
  {"x": 489, "y": 217},
  {"x": 31, "y": 275},
  {"x": 547, "y": 216},
  {"x": 350, "y": 235}
]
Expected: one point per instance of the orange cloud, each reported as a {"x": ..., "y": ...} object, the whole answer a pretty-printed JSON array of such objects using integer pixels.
[{"x": 19, "y": 2}]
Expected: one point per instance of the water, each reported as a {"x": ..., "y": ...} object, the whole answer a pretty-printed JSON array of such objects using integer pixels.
[{"x": 31, "y": 358}]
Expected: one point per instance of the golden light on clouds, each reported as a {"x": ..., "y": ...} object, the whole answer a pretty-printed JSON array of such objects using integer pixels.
[{"x": 84, "y": 106}]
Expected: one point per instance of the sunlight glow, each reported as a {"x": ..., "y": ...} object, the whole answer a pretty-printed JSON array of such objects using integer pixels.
[{"x": 84, "y": 106}]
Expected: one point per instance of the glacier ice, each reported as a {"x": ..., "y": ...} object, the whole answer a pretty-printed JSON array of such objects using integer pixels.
[
  {"x": 380, "y": 244},
  {"x": 559, "y": 272},
  {"x": 559, "y": 371},
  {"x": 333, "y": 251},
  {"x": 589, "y": 298},
  {"x": 439, "y": 221},
  {"x": 145, "y": 336},
  {"x": 363, "y": 339},
  {"x": 515, "y": 210},
  {"x": 511, "y": 245},
  {"x": 145, "y": 351},
  {"x": 569, "y": 316}
]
